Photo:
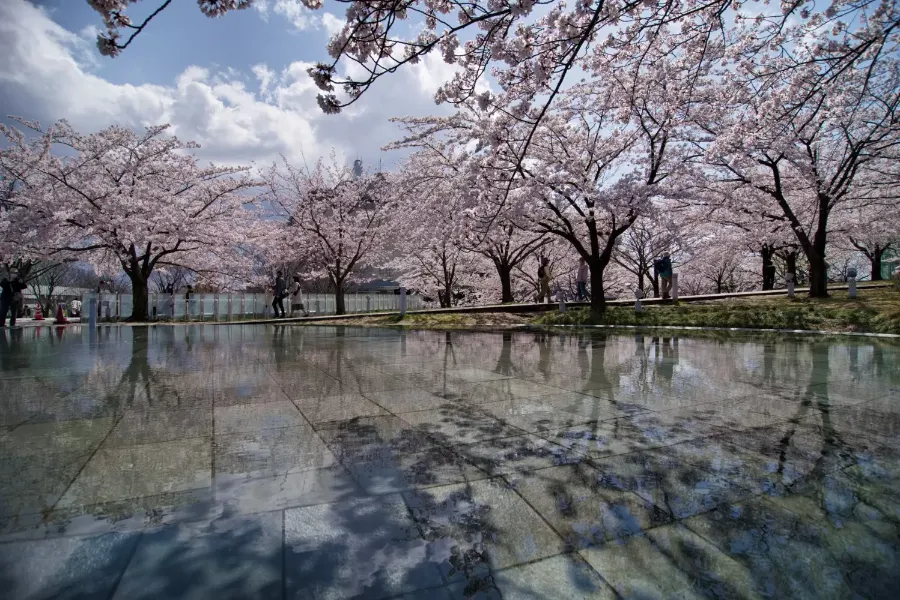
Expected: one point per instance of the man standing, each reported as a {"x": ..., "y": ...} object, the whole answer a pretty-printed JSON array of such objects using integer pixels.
[
  {"x": 581, "y": 276},
  {"x": 278, "y": 301},
  {"x": 11, "y": 297},
  {"x": 544, "y": 281},
  {"x": 663, "y": 268}
]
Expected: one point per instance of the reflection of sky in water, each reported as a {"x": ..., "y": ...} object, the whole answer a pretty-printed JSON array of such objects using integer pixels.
[{"x": 729, "y": 436}]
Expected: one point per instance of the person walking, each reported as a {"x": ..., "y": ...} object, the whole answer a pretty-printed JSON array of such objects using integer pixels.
[
  {"x": 278, "y": 300},
  {"x": 11, "y": 297},
  {"x": 297, "y": 297},
  {"x": 544, "y": 281},
  {"x": 663, "y": 268},
  {"x": 581, "y": 276},
  {"x": 188, "y": 302}
]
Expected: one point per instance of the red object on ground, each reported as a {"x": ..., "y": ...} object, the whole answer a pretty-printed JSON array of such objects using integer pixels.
[
  {"x": 60, "y": 316},
  {"x": 38, "y": 315}
]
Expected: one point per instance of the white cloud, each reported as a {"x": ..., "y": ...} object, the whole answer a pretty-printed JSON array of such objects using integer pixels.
[
  {"x": 262, "y": 7},
  {"x": 332, "y": 24},
  {"x": 237, "y": 117},
  {"x": 294, "y": 11},
  {"x": 265, "y": 75}
]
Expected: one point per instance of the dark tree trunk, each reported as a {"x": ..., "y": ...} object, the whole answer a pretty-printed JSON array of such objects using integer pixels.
[
  {"x": 448, "y": 295},
  {"x": 505, "y": 272},
  {"x": 818, "y": 276},
  {"x": 598, "y": 298},
  {"x": 339, "y": 308},
  {"x": 768, "y": 267},
  {"x": 815, "y": 254},
  {"x": 875, "y": 260},
  {"x": 139, "y": 310}
]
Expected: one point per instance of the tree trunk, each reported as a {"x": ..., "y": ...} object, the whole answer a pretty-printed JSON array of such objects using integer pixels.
[
  {"x": 598, "y": 300},
  {"x": 139, "y": 296},
  {"x": 339, "y": 298},
  {"x": 505, "y": 273},
  {"x": 768, "y": 267},
  {"x": 818, "y": 276},
  {"x": 875, "y": 259}
]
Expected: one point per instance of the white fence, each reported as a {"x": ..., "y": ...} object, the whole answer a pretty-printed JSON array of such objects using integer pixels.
[{"x": 237, "y": 307}]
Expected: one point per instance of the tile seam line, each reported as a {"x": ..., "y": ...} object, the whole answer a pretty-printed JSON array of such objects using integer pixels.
[
  {"x": 131, "y": 555},
  {"x": 97, "y": 448},
  {"x": 90, "y": 458},
  {"x": 312, "y": 427}
]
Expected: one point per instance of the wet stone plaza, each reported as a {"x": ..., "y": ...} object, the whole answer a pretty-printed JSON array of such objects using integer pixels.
[{"x": 322, "y": 463}]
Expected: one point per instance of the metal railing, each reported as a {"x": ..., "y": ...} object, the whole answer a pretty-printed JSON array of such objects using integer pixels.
[{"x": 237, "y": 307}]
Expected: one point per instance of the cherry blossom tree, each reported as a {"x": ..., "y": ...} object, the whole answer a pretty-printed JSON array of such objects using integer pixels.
[
  {"x": 126, "y": 200},
  {"x": 874, "y": 231},
  {"x": 502, "y": 238},
  {"x": 806, "y": 163},
  {"x": 329, "y": 217},
  {"x": 427, "y": 251},
  {"x": 536, "y": 47},
  {"x": 594, "y": 166}
]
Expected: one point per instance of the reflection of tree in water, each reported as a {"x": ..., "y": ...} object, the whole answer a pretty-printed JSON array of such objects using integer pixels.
[
  {"x": 815, "y": 402},
  {"x": 504, "y": 360},
  {"x": 12, "y": 356},
  {"x": 137, "y": 376}
]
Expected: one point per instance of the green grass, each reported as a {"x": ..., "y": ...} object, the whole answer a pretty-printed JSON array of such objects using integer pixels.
[
  {"x": 433, "y": 320},
  {"x": 874, "y": 311}
]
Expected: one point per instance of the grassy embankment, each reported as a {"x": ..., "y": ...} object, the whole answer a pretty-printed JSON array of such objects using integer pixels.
[{"x": 874, "y": 311}]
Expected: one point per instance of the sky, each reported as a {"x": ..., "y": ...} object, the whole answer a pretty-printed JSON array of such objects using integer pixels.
[{"x": 237, "y": 85}]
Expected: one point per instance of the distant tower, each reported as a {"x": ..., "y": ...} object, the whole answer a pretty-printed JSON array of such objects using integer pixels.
[{"x": 357, "y": 168}]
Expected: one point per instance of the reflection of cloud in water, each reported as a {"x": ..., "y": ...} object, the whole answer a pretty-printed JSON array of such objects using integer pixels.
[{"x": 327, "y": 462}]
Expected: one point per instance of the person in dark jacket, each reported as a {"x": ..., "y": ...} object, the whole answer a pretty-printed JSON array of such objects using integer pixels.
[
  {"x": 280, "y": 293},
  {"x": 11, "y": 297},
  {"x": 663, "y": 268}
]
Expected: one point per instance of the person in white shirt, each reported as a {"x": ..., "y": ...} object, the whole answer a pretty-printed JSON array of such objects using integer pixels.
[{"x": 297, "y": 297}]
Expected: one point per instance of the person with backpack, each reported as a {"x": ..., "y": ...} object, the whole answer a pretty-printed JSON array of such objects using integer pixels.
[
  {"x": 280, "y": 293},
  {"x": 663, "y": 268},
  {"x": 11, "y": 297},
  {"x": 297, "y": 297}
]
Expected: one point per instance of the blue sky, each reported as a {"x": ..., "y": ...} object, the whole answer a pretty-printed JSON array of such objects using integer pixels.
[{"x": 236, "y": 84}]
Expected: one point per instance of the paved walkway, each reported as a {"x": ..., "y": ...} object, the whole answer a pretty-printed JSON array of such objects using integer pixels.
[{"x": 287, "y": 462}]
